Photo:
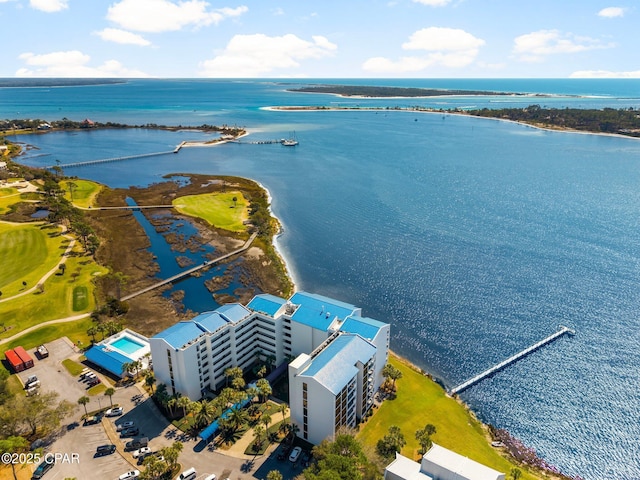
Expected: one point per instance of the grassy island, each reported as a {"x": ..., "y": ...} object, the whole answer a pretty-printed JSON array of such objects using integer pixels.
[{"x": 382, "y": 92}]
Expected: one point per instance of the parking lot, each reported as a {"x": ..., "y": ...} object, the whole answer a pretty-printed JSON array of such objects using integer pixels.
[
  {"x": 80, "y": 442},
  {"x": 53, "y": 376}
]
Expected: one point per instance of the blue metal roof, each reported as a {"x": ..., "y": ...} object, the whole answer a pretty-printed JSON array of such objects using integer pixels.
[
  {"x": 210, "y": 321},
  {"x": 266, "y": 303},
  {"x": 110, "y": 360},
  {"x": 365, "y": 327},
  {"x": 318, "y": 311},
  {"x": 334, "y": 366},
  {"x": 233, "y": 312},
  {"x": 181, "y": 333}
]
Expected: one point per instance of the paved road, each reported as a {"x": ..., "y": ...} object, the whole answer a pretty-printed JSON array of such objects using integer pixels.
[{"x": 80, "y": 442}]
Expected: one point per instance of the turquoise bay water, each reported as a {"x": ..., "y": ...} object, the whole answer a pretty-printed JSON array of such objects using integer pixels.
[{"x": 474, "y": 238}]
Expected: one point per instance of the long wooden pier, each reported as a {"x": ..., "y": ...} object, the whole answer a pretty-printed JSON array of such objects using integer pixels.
[
  {"x": 192, "y": 270},
  {"x": 472, "y": 381},
  {"x": 115, "y": 159}
]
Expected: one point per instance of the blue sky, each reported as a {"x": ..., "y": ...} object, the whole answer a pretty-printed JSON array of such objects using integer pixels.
[{"x": 316, "y": 39}]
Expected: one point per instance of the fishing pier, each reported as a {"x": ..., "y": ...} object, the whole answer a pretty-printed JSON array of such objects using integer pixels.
[
  {"x": 115, "y": 159},
  {"x": 496, "y": 368}
]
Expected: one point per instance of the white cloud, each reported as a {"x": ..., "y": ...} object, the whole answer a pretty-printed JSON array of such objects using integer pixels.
[
  {"x": 611, "y": 12},
  {"x": 533, "y": 47},
  {"x": 604, "y": 74},
  {"x": 71, "y": 63},
  {"x": 433, "y": 3},
  {"x": 122, "y": 36},
  {"x": 49, "y": 5},
  {"x": 258, "y": 54},
  {"x": 448, "y": 47},
  {"x": 165, "y": 15},
  {"x": 442, "y": 39}
]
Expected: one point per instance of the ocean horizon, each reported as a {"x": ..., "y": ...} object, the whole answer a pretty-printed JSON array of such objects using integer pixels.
[{"x": 473, "y": 238}]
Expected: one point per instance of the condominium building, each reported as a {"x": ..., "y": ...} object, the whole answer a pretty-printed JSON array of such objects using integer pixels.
[{"x": 325, "y": 335}]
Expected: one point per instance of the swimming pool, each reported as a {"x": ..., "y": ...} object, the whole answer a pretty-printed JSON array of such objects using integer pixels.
[{"x": 127, "y": 345}]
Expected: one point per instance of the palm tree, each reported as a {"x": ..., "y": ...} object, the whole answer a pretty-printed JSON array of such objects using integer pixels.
[
  {"x": 237, "y": 417},
  {"x": 126, "y": 368},
  {"x": 283, "y": 410},
  {"x": 83, "y": 401},
  {"x": 391, "y": 372},
  {"x": 265, "y": 388},
  {"x": 109, "y": 392},
  {"x": 183, "y": 403},
  {"x": 266, "y": 419},
  {"x": 71, "y": 186},
  {"x": 171, "y": 403},
  {"x": 258, "y": 437},
  {"x": 92, "y": 331},
  {"x": 294, "y": 429},
  {"x": 253, "y": 392},
  {"x": 423, "y": 436},
  {"x": 205, "y": 413},
  {"x": 149, "y": 380}
]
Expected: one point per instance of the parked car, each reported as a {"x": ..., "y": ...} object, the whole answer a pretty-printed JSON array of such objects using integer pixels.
[
  {"x": 295, "y": 453},
  {"x": 128, "y": 475},
  {"x": 94, "y": 381},
  {"x": 30, "y": 379},
  {"x": 41, "y": 469},
  {"x": 92, "y": 420},
  {"x": 136, "y": 443},
  {"x": 130, "y": 432},
  {"x": 105, "y": 450},
  {"x": 32, "y": 391},
  {"x": 141, "y": 451},
  {"x": 211, "y": 477},
  {"x": 124, "y": 425},
  {"x": 33, "y": 383},
  {"x": 114, "y": 412}
]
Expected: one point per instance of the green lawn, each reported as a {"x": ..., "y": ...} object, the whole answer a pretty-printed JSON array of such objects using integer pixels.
[
  {"x": 63, "y": 296},
  {"x": 84, "y": 192},
  {"x": 421, "y": 401},
  {"x": 218, "y": 209},
  {"x": 80, "y": 298},
  {"x": 73, "y": 367},
  {"x": 34, "y": 249}
]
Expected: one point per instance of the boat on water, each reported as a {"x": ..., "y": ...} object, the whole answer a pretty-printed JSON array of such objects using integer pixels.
[{"x": 290, "y": 142}]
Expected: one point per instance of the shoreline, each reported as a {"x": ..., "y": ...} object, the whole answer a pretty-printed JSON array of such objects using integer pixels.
[
  {"x": 274, "y": 239},
  {"x": 301, "y": 108}
]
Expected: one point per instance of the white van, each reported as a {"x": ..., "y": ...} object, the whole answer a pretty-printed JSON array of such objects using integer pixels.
[
  {"x": 34, "y": 384},
  {"x": 189, "y": 474}
]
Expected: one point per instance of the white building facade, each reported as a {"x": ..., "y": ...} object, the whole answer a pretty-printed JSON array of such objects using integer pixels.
[
  {"x": 440, "y": 463},
  {"x": 190, "y": 357}
]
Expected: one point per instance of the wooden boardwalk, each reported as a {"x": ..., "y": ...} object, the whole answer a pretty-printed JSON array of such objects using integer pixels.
[
  {"x": 130, "y": 207},
  {"x": 472, "y": 381},
  {"x": 188, "y": 272},
  {"x": 114, "y": 159}
]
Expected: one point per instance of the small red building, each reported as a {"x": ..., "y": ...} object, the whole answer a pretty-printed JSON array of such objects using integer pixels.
[
  {"x": 14, "y": 360},
  {"x": 24, "y": 356}
]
